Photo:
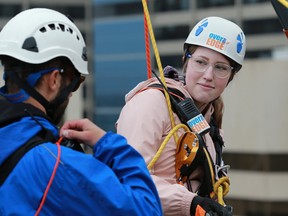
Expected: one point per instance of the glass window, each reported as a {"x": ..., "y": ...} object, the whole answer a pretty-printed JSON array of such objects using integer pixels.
[
  {"x": 254, "y": 1},
  {"x": 107, "y": 10},
  {"x": 75, "y": 12},
  {"x": 107, "y": 121},
  {"x": 107, "y": 2},
  {"x": 171, "y": 5},
  {"x": 261, "y": 26},
  {"x": 258, "y": 54},
  {"x": 9, "y": 10},
  {"x": 119, "y": 65},
  {"x": 172, "y": 60},
  {"x": 172, "y": 32},
  {"x": 214, "y": 3}
]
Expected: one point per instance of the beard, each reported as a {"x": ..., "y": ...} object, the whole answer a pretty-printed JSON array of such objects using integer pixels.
[{"x": 58, "y": 112}]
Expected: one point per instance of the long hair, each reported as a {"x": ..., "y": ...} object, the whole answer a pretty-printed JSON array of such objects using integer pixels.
[{"x": 218, "y": 103}]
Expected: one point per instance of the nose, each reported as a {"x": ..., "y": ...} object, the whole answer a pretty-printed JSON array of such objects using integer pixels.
[{"x": 208, "y": 73}]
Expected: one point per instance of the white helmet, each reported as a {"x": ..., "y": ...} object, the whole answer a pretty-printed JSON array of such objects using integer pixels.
[
  {"x": 220, "y": 35},
  {"x": 38, "y": 35}
]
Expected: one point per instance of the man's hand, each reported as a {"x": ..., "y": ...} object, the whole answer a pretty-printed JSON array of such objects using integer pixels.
[{"x": 83, "y": 130}]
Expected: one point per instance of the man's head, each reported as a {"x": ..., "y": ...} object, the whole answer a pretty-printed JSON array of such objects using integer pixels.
[{"x": 39, "y": 47}]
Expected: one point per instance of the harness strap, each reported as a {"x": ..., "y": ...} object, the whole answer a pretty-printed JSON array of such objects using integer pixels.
[
  {"x": 176, "y": 94},
  {"x": 10, "y": 162},
  {"x": 217, "y": 139}
]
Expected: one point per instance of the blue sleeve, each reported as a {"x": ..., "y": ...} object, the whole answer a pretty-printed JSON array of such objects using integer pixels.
[{"x": 112, "y": 181}]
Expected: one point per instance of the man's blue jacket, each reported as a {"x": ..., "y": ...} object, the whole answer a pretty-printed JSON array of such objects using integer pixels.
[{"x": 112, "y": 181}]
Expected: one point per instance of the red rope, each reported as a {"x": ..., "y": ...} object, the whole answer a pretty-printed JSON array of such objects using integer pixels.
[
  {"x": 51, "y": 178},
  {"x": 147, "y": 48}
]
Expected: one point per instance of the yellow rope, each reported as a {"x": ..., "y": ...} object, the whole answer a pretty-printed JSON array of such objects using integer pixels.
[
  {"x": 221, "y": 188},
  {"x": 284, "y": 3},
  {"x": 210, "y": 165},
  {"x": 157, "y": 56},
  {"x": 165, "y": 141}
]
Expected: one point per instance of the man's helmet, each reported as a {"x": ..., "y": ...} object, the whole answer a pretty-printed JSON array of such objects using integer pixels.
[
  {"x": 220, "y": 35},
  {"x": 38, "y": 35}
]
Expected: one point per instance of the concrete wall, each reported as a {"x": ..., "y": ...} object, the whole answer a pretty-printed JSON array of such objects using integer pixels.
[
  {"x": 256, "y": 103},
  {"x": 255, "y": 123}
]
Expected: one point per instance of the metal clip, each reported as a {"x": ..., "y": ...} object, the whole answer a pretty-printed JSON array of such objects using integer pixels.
[{"x": 221, "y": 171}]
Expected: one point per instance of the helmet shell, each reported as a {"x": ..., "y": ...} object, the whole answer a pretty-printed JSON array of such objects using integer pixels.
[
  {"x": 221, "y": 35},
  {"x": 38, "y": 35}
]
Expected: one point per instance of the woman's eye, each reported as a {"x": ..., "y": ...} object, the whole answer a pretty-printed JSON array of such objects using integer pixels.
[
  {"x": 221, "y": 67},
  {"x": 201, "y": 62}
]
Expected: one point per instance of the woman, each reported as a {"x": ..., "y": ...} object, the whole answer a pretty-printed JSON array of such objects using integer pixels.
[{"x": 213, "y": 53}]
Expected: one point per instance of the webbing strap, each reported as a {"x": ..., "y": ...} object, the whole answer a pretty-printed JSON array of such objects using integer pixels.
[
  {"x": 175, "y": 93},
  {"x": 10, "y": 162}
]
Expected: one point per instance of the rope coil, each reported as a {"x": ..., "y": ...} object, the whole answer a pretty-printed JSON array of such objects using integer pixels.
[{"x": 221, "y": 189}]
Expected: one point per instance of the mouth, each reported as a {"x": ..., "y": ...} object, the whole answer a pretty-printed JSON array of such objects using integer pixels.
[{"x": 206, "y": 86}]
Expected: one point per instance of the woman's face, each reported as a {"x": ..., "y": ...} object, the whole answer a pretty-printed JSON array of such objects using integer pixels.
[{"x": 204, "y": 87}]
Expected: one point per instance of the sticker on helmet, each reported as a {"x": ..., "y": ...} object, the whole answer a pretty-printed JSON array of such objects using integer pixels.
[
  {"x": 240, "y": 42},
  {"x": 201, "y": 27},
  {"x": 216, "y": 41}
]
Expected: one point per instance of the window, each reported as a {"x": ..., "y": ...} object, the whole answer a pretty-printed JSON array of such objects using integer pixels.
[
  {"x": 261, "y": 26},
  {"x": 171, "y": 5},
  {"x": 254, "y": 1},
  {"x": 107, "y": 10},
  {"x": 214, "y": 3},
  {"x": 172, "y": 60},
  {"x": 258, "y": 54},
  {"x": 75, "y": 12},
  {"x": 9, "y": 10},
  {"x": 173, "y": 32}
]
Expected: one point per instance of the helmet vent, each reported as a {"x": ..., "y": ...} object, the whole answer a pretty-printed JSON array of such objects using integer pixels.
[
  {"x": 70, "y": 30},
  {"x": 52, "y": 26},
  {"x": 30, "y": 44},
  {"x": 62, "y": 27},
  {"x": 84, "y": 54},
  {"x": 43, "y": 29}
]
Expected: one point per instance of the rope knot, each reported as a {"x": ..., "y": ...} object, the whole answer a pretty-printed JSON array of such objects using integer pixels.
[{"x": 221, "y": 188}]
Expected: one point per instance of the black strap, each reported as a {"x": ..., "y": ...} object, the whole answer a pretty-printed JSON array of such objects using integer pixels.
[
  {"x": 31, "y": 91},
  {"x": 10, "y": 162},
  {"x": 11, "y": 113},
  {"x": 176, "y": 94},
  {"x": 217, "y": 140}
]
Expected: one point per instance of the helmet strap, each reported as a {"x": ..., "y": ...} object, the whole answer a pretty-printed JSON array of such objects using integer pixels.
[
  {"x": 27, "y": 90},
  {"x": 30, "y": 90}
]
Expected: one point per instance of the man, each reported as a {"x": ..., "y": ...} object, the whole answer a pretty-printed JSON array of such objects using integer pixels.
[{"x": 44, "y": 59}]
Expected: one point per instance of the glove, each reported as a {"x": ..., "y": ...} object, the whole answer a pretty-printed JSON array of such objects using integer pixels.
[{"x": 210, "y": 206}]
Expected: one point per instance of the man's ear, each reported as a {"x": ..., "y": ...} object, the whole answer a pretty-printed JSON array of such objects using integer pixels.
[{"x": 54, "y": 80}]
